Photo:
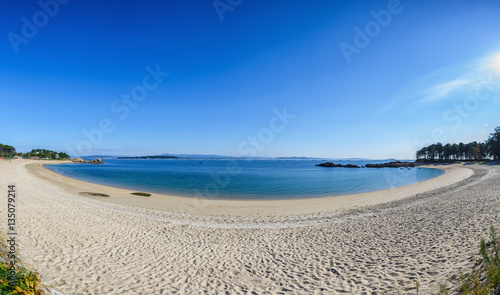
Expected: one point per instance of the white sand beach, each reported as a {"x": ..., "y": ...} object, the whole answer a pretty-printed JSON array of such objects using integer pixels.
[{"x": 375, "y": 243}]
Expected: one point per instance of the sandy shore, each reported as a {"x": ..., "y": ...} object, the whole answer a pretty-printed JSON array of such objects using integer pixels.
[{"x": 376, "y": 243}]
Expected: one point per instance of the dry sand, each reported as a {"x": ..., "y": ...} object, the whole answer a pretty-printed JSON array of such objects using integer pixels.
[{"x": 375, "y": 243}]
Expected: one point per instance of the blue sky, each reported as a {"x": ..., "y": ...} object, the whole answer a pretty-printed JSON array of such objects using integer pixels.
[{"x": 372, "y": 79}]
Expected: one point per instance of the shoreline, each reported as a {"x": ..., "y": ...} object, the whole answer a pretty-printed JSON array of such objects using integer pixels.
[
  {"x": 383, "y": 244},
  {"x": 247, "y": 208},
  {"x": 230, "y": 198}
]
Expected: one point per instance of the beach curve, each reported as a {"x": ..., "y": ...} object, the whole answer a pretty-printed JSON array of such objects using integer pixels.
[
  {"x": 88, "y": 245},
  {"x": 252, "y": 208}
]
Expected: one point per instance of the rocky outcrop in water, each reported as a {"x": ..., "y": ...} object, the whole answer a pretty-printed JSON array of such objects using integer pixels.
[
  {"x": 82, "y": 161},
  {"x": 330, "y": 164},
  {"x": 396, "y": 164}
]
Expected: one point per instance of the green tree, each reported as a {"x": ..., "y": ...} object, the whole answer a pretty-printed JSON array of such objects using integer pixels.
[
  {"x": 439, "y": 150},
  {"x": 462, "y": 150},
  {"x": 7, "y": 150},
  {"x": 455, "y": 151},
  {"x": 447, "y": 152},
  {"x": 421, "y": 153},
  {"x": 493, "y": 144},
  {"x": 431, "y": 151},
  {"x": 63, "y": 156}
]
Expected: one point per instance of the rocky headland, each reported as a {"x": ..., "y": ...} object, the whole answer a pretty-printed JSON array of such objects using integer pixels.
[{"x": 82, "y": 161}]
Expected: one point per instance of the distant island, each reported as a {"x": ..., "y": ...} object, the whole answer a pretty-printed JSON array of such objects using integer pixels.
[
  {"x": 489, "y": 150},
  {"x": 148, "y": 157}
]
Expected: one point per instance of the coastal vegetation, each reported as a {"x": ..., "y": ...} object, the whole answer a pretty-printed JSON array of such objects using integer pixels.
[
  {"x": 473, "y": 151},
  {"x": 8, "y": 151},
  {"x": 18, "y": 280},
  {"x": 44, "y": 154},
  {"x": 25, "y": 282},
  {"x": 485, "y": 276}
]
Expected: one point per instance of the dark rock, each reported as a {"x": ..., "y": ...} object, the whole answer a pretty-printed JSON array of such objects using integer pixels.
[
  {"x": 94, "y": 194},
  {"x": 98, "y": 161},
  {"x": 82, "y": 161},
  {"x": 330, "y": 164},
  {"x": 396, "y": 164}
]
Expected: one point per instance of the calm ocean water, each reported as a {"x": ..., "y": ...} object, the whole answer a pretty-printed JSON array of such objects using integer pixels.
[{"x": 243, "y": 179}]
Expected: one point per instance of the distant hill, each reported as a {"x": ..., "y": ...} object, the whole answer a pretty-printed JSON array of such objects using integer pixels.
[
  {"x": 148, "y": 157},
  {"x": 221, "y": 157},
  {"x": 100, "y": 157},
  {"x": 199, "y": 156}
]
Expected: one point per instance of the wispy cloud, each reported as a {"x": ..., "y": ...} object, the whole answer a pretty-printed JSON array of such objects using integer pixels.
[
  {"x": 433, "y": 86},
  {"x": 440, "y": 85},
  {"x": 444, "y": 86},
  {"x": 442, "y": 91}
]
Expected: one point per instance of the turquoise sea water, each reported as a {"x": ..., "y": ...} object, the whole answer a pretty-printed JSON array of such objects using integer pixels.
[{"x": 244, "y": 179}]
